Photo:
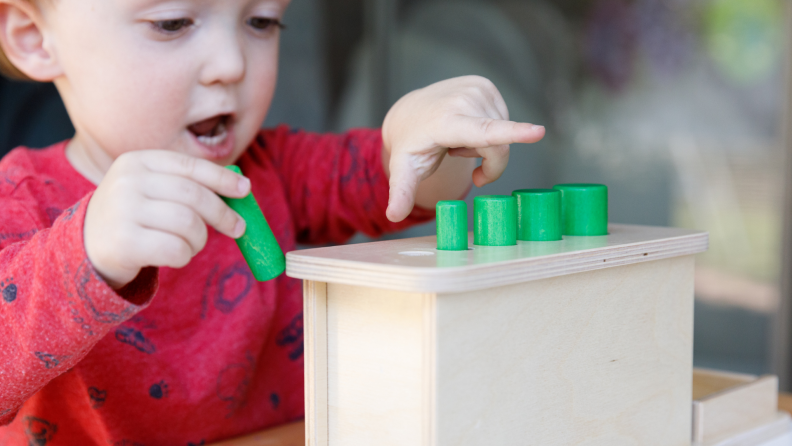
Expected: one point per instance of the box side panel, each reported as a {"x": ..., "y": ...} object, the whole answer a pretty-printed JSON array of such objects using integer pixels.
[
  {"x": 380, "y": 356},
  {"x": 736, "y": 410},
  {"x": 315, "y": 318},
  {"x": 596, "y": 358}
]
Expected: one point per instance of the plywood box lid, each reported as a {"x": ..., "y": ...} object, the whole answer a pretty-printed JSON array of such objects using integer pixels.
[{"x": 415, "y": 265}]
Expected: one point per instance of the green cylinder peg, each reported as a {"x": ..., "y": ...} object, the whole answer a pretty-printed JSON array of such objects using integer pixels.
[
  {"x": 538, "y": 215},
  {"x": 452, "y": 226},
  {"x": 495, "y": 220},
  {"x": 584, "y": 209},
  {"x": 258, "y": 245}
]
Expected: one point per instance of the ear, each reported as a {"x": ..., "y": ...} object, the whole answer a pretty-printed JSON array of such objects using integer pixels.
[{"x": 24, "y": 41}]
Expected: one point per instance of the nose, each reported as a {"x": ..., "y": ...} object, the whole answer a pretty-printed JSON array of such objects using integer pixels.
[{"x": 225, "y": 59}]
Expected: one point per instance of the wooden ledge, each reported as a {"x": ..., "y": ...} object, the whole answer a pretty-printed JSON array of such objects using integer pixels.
[{"x": 415, "y": 265}]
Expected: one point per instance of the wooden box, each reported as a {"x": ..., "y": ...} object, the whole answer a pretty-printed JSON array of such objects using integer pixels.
[
  {"x": 734, "y": 409},
  {"x": 586, "y": 341}
]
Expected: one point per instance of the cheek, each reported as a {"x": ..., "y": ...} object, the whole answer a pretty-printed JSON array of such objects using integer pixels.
[
  {"x": 126, "y": 98},
  {"x": 256, "y": 97},
  {"x": 139, "y": 108}
]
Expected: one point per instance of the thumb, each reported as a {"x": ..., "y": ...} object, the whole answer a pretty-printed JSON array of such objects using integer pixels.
[{"x": 404, "y": 182}]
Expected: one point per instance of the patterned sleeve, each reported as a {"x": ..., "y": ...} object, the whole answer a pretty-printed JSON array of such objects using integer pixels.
[
  {"x": 53, "y": 306},
  {"x": 335, "y": 183}
]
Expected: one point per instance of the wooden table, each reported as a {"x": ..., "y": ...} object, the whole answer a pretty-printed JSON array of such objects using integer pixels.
[
  {"x": 293, "y": 434},
  {"x": 287, "y": 435},
  {"x": 785, "y": 402}
]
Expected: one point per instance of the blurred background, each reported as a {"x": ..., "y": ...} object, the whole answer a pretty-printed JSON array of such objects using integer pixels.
[{"x": 679, "y": 106}]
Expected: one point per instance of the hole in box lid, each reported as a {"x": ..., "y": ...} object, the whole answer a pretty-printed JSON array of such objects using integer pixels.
[{"x": 416, "y": 253}]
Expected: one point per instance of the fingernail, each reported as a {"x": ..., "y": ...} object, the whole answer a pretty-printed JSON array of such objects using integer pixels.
[
  {"x": 239, "y": 229},
  {"x": 538, "y": 127},
  {"x": 244, "y": 185}
]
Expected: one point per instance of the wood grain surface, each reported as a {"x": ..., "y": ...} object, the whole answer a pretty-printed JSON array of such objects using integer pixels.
[
  {"x": 287, "y": 435},
  {"x": 315, "y": 327},
  {"x": 294, "y": 434},
  {"x": 598, "y": 358},
  {"x": 601, "y": 357},
  {"x": 380, "y": 364},
  {"x": 707, "y": 382},
  {"x": 415, "y": 265},
  {"x": 587, "y": 340},
  {"x": 736, "y": 404}
]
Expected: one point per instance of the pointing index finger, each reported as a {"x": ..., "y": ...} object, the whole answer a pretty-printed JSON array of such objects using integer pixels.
[{"x": 477, "y": 132}]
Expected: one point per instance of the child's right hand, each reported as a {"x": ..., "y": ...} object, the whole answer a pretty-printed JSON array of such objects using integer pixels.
[{"x": 152, "y": 208}]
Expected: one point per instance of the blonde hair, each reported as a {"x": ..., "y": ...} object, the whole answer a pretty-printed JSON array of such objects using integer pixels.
[{"x": 8, "y": 69}]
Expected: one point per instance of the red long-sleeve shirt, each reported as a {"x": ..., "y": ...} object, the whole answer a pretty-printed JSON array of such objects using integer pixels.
[{"x": 178, "y": 357}]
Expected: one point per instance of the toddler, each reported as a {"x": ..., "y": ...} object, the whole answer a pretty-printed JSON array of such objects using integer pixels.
[{"x": 127, "y": 313}]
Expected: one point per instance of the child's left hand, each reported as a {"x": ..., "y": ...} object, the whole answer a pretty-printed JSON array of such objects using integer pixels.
[{"x": 463, "y": 117}]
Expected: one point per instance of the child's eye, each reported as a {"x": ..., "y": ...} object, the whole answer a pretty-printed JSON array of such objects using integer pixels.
[
  {"x": 172, "y": 26},
  {"x": 265, "y": 23}
]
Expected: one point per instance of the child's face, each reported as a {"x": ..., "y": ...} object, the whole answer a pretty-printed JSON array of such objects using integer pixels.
[{"x": 193, "y": 76}]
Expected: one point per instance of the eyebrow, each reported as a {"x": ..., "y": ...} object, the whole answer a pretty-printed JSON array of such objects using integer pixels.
[
  {"x": 142, "y": 7},
  {"x": 146, "y": 3}
]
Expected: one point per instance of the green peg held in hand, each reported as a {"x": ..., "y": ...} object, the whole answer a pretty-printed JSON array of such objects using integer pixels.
[{"x": 258, "y": 244}]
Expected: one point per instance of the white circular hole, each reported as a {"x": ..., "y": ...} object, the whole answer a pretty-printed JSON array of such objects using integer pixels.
[{"x": 416, "y": 253}]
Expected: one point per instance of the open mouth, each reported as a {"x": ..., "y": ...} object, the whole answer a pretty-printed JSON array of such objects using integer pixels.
[{"x": 213, "y": 131}]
